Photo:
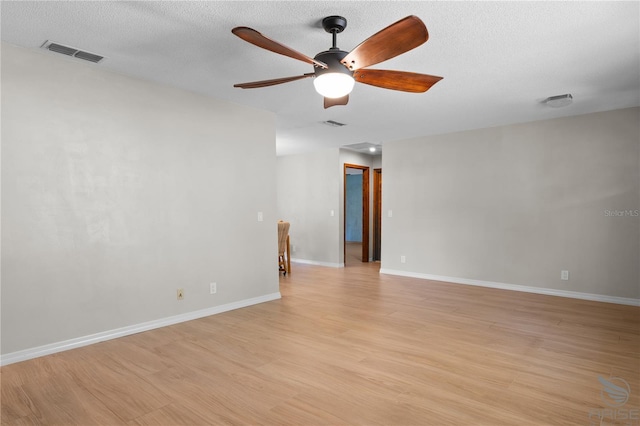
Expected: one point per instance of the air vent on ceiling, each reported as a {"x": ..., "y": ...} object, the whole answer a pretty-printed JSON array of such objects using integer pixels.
[
  {"x": 333, "y": 123},
  {"x": 559, "y": 100},
  {"x": 71, "y": 51}
]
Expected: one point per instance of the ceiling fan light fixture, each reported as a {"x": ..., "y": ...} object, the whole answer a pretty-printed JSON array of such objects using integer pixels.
[
  {"x": 336, "y": 71},
  {"x": 334, "y": 84}
]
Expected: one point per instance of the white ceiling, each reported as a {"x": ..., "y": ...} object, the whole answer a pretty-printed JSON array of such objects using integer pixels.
[{"x": 498, "y": 59}]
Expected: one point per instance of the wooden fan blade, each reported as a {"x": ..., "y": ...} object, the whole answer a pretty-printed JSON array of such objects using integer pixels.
[
  {"x": 329, "y": 102},
  {"x": 265, "y": 83},
  {"x": 390, "y": 42},
  {"x": 254, "y": 37},
  {"x": 397, "y": 80}
]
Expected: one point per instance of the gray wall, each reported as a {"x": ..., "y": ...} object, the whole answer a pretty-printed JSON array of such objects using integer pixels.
[
  {"x": 518, "y": 204},
  {"x": 308, "y": 190},
  {"x": 116, "y": 192}
]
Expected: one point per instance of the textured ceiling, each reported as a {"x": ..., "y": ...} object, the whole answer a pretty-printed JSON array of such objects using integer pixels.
[{"x": 498, "y": 59}]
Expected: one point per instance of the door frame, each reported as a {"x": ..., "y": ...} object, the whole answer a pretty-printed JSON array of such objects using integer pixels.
[
  {"x": 365, "y": 211},
  {"x": 377, "y": 214}
]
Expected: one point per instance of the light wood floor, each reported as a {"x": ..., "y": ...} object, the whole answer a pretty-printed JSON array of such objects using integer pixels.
[
  {"x": 348, "y": 346},
  {"x": 352, "y": 253}
]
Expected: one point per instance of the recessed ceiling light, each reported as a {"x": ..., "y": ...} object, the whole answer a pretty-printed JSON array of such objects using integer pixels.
[
  {"x": 364, "y": 148},
  {"x": 559, "y": 101}
]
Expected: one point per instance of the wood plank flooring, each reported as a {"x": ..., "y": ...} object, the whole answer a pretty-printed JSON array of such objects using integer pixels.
[
  {"x": 352, "y": 252},
  {"x": 347, "y": 347}
]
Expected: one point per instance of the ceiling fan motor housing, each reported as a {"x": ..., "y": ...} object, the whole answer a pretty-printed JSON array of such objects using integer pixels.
[{"x": 332, "y": 58}]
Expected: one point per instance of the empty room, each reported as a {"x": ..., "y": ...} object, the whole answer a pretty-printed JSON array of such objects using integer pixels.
[{"x": 320, "y": 213}]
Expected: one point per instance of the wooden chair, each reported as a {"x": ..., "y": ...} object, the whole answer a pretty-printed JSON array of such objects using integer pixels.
[{"x": 284, "y": 258}]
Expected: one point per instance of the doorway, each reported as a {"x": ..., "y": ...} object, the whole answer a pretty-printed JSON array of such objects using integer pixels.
[{"x": 356, "y": 212}]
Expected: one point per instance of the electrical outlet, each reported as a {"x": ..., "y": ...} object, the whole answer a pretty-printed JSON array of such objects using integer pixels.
[
  {"x": 564, "y": 275},
  {"x": 213, "y": 288},
  {"x": 180, "y": 294},
  {"x": 403, "y": 259}
]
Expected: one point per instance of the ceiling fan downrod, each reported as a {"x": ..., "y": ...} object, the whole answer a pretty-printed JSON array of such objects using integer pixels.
[{"x": 334, "y": 25}]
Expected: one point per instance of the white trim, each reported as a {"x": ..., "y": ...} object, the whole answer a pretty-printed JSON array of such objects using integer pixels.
[
  {"x": 515, "y": 287},
  {"x": 317, "y": 263},
  {"x": 52, "y": 348}
]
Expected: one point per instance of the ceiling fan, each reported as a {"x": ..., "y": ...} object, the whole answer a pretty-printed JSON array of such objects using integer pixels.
[{"x": 336, "y": 71}]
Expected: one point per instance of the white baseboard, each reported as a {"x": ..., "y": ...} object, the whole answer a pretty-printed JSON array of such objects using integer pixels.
[
  {"x": 317, "y": 263},
  {"x": 515, "y": 287},
  {"x": 52, "y": 348}
]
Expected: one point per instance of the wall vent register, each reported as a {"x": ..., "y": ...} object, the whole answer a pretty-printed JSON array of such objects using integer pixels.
[{"x": 71, "y": 51}]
